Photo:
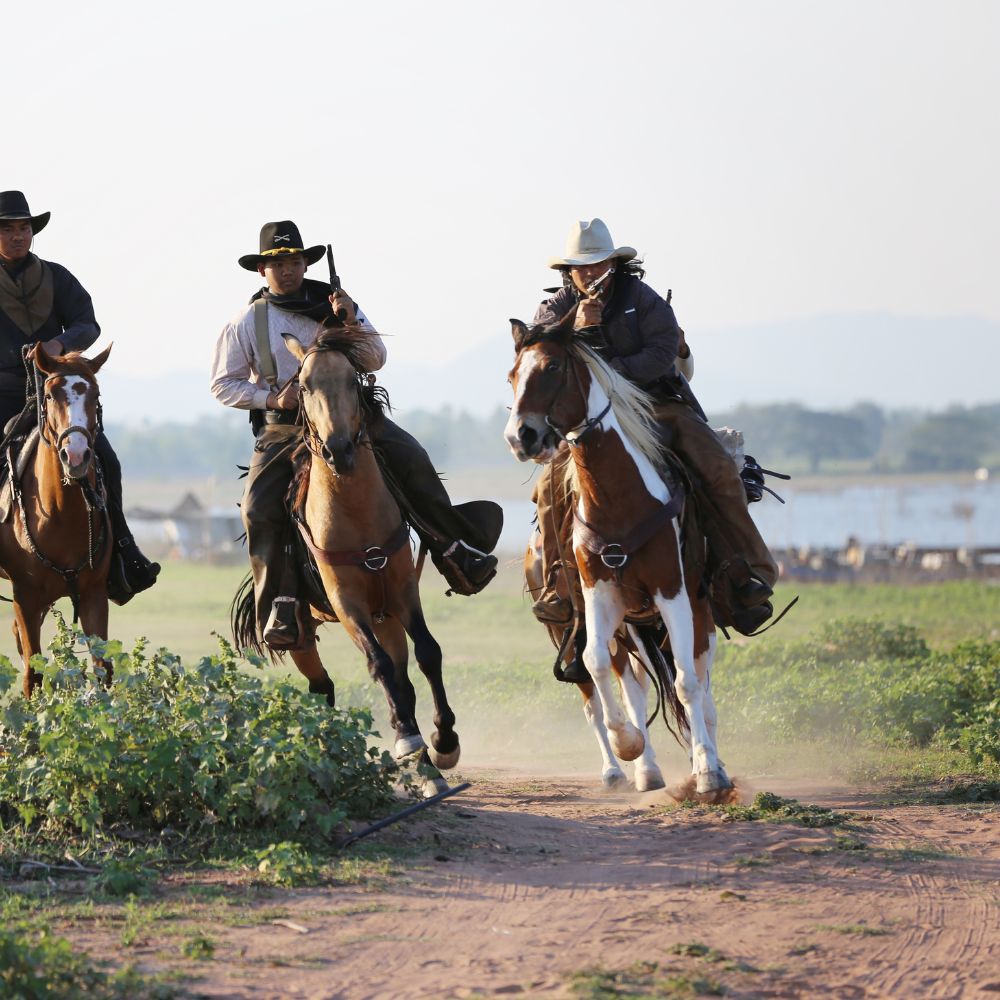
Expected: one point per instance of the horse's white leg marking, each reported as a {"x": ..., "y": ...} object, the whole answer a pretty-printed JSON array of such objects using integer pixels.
[
  {"x": 679, "y": 618},
  {"x": 705, "y": 662},
  {"x": 605, "y": 613},
  {"x": 635, "y": 694},
  {"x": 611, "y": 774}
]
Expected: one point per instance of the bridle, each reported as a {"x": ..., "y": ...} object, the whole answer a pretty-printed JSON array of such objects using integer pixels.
[
  {"x": 312, "y": 440},
  {"x": 43, "y": 418},
  {"x": 582, "y": 429}
]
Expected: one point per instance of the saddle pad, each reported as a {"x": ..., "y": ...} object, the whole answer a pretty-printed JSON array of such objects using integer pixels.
[{"x": 20, "y": 464}]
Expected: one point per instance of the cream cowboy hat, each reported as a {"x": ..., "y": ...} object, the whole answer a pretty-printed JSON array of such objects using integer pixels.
[{"x": 589, "y": 243}]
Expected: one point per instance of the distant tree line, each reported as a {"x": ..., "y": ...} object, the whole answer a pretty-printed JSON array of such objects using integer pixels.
[{"x": 786, "y": 437}]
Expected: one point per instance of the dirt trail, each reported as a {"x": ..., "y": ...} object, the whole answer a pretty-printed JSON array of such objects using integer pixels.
[{"x": 544, "y": 876}]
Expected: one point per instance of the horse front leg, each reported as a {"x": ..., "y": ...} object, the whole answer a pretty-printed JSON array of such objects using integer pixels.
[
  {"x": 94, "y": 621},
  {"x": 28, "y": 616},
  {"x": 605, "y": 613},
  {"x": 678, "y": 616},
  {"x": 358, "y": 623}
]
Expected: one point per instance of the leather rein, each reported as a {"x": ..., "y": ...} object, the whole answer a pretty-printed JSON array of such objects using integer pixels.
[
  {"x": 375, "y": 557},
  {"x": 93, "y": 497}
]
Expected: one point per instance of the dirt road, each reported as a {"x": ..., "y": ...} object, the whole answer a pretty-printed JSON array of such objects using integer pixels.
[{"x": 520, "y": 883}]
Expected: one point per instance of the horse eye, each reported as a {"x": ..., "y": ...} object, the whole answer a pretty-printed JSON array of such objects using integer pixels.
[{"x": 552, "y": 366}]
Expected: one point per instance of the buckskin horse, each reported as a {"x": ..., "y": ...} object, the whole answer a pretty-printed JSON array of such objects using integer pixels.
[
  {"x": 357, "y": 536},
  {"x": 55, "y": 536},
  {"x": 626, "y": 541}
]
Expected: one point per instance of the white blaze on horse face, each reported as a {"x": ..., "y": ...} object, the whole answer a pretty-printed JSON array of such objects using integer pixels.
[
  {"x": 527, "y": 363},
  {"x": 76, "y": 444}
]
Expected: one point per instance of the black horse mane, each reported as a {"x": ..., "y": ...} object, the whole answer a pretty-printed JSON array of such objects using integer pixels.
[
  {"x": 561, "y": 334},
  {"x": 352, "y": 343}
]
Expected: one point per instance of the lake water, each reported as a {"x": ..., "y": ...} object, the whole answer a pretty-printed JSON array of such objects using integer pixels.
[{"x": 945, "y": 514}]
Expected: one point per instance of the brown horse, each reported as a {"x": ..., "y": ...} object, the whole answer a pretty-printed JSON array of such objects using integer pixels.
[
  {"x": 55, "y": 537},
  {"x": 626, "y": 536},
  {"x": 358, "y": 537}
]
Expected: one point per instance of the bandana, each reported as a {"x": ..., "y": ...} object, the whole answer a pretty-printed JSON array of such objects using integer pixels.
[{"x": 311, "y": 300}]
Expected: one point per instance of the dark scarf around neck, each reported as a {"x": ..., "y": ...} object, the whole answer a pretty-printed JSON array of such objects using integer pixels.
[{"x": 312, "y": 300}]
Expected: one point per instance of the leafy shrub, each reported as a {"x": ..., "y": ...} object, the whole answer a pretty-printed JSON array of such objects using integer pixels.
[
  {"x": 287, "y": 863},
  {"x": 167, "y": 744},
  {"x": 34, "y": 965},
  {"x": 864, "y": 678}
]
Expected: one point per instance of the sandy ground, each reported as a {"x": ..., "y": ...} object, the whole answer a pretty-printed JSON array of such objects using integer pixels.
[{"x": 520, "y": 881}]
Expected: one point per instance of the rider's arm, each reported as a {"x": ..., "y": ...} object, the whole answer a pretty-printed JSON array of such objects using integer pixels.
[
  {"x": 551, "y": 311},
  {"x": 74, "y": 310},
  {"x": 660, "y": 338},
  {"x": 376, "y": 353},
  {"x": 232, "y": 379}
]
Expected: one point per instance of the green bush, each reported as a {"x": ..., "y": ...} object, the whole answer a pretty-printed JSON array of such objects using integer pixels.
[
  {"x": 34, "y": 965},
  {"x": 864, "y": 678},
  {"x": 168, "y": 744}
]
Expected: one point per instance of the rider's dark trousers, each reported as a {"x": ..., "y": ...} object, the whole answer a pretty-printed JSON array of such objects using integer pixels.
[{"x": 478, "y": 523}]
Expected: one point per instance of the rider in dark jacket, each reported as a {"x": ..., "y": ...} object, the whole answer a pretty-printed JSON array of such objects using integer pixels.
[
  {"x": 41, "y": 302},
  {"x": 637, "y": 332}
]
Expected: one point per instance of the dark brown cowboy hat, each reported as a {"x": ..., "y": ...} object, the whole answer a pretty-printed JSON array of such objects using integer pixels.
[
  {"x": 280, "y": 239},
  {"x": 13, "y": 205}
]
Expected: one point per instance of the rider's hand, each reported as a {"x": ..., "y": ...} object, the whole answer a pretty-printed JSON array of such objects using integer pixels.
[
  {"x": 683, "y": 351},
  {"x": 343, "y": 301},
  {"x": 588, "y": 313},
  {"x": 287, "y": 399}
]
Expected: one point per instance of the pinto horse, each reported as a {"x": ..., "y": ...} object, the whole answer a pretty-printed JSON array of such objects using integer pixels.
[
  {"x": 626, "y": 539},
  {"x": 359, "y": 540},
  {"x": 55, "y": 536}
]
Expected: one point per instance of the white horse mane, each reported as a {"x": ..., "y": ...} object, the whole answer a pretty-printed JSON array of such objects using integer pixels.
[{"x": 632, "y": 407}]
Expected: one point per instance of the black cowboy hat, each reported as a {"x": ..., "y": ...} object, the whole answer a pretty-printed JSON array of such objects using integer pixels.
[
  {"x": 279, "y": 239},
  {"x": 13, "y": 205}
]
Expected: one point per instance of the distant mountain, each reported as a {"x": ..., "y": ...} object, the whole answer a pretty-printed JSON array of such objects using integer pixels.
[{"x": 828, "y": 362}]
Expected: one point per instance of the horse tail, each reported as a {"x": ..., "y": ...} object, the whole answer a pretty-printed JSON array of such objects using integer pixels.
[
  {"x": 243, "y": 618},
  {"x": 664, "y": 676}
]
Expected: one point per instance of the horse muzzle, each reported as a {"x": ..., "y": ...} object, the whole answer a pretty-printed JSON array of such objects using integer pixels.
[
  {"x": 531, "y": 439},
  {"x": 75, "y": 452},
  {"x": 340, "y": 454}
]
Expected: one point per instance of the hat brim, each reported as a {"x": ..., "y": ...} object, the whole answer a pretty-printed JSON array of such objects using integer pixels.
[
  {"x": 583, "y": 259},
  {"x": 38, "y": 222},
  {"x": 252, "y": 260}
]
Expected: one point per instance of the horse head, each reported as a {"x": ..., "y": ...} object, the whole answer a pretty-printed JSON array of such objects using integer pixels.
[
  {"x": 338, "y": 399},
  {"x": 550, "y": 390},
  {"x": 70, "y": 407}
]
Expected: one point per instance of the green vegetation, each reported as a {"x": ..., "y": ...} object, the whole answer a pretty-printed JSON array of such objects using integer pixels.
[
  {"x": 165, "y": 745},
  {"x": 35, "y": 965},
  {"x": 866, "y": 680},
  {"x": 641, "y": 980}
]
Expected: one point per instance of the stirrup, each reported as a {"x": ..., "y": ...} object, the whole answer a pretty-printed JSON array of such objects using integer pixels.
[
  {"x": 282, "y": 628},
  {"x": 557, "y": 611},
  {"x": 466, "y": 569}
]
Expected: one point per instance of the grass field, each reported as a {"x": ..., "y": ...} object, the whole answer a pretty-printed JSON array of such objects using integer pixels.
[{"x": 512, "y": 713}]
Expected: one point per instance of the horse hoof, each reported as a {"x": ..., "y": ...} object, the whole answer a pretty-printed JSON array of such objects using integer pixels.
[
  {"x": 614, "y": 779},
  {"x": 433, "y": 786},
  {"x": 444, "y": 761},
  {"x": 649, "y": 781},
  {"x": 628, "y": 744},
  {"x": 712, "y": 781},
  {"x": 407, "y": 746}
]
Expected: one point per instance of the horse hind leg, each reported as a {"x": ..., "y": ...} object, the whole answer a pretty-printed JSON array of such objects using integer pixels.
[
  {"x": 611, "y": 774},
  {"x": 635, "y": 696}
]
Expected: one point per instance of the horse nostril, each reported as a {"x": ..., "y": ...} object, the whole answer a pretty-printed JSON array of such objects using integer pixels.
[
  {"x": 348, "y": 449},
  {"x": 86, "y": 455},
  {"x": 527, "y": 435}
]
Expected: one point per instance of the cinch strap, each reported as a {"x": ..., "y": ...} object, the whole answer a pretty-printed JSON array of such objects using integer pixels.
[
  {"x": 614, "y": 555},
  {"x": 264, "y": 356}
]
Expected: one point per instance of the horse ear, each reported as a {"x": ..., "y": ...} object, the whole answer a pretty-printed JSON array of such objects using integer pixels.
[
  {"x": 97, "y": 363},
  {"x": 43, "y": 359},
  {"x": 567, "y": 322},
  {"x": 518, "y": 331},
  {"x": 294, "y": 345}
]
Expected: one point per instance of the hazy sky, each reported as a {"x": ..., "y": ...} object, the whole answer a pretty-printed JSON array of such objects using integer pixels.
[{"x": 773, "y": 160}]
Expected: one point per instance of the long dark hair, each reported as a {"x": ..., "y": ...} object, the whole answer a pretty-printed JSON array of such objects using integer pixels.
[{"x": 631, "y": 268}]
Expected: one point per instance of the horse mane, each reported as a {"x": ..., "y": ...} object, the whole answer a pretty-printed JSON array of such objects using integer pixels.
[
  {"x": 352, "y": 342},
  {"x": 633, "y": 408}
]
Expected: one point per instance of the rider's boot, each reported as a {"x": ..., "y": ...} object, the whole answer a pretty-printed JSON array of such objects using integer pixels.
[
  {"x": 285, "y": 628},
  {"x": 130, "y": 572},
  {"x": 466, "y": 569},
  {"x": 576, "y": 672}
]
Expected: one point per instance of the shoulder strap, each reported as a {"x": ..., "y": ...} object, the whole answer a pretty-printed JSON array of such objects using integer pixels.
[
  {"x": 632, "y": 319},
  {"x": 264, "y": 356}
]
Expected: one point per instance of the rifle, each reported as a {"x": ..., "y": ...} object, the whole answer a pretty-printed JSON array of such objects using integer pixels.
[{"x": 334, "y": 280}]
